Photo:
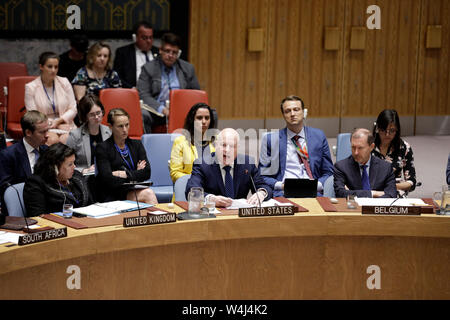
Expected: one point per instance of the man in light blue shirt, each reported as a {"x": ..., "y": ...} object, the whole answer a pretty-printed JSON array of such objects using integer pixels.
[{"x": 161, "y": 75}]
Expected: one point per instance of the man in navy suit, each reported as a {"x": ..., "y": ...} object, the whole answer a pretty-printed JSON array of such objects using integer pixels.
[
  {"x": 361, "y": 174},
  {"x": 296, "y": 151},
  {"x": 227, "y": 175},
  {"x": 17, "y": 161},
  {"x": 129, "y": 59}
]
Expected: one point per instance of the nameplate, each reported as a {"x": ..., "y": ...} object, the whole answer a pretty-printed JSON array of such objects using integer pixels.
[
  {"x": 266, "y": 211},
  {"x": 392, "y": 210},
  {"x": 42, "y": 236},
  {"x": 149, "y": 219}
]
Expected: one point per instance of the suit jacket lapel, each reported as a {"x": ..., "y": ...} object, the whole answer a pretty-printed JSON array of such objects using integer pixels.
[
  {"x": 217, "y": 171},
  {"x": 357, "y": 175},
  {"x": 86, "y": 143},
  {"x": 23, "y": 157},
  {"x": 283, "y": 150}
]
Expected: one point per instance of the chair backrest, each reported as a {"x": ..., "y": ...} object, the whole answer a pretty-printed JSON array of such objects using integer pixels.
[
  {"x": 127, "y": 99},
  {"x": 14, "y": 203},
  {"x": 328, "y": 187},
  {"x": 10, "y": 69},
  {"x": 158, "y": 147},
  {"x": 16, "y": 97},
  {"x": 343, "y": 146},
  {"x": 181, "y": 101},
  {"x": 180, "y": 188}
]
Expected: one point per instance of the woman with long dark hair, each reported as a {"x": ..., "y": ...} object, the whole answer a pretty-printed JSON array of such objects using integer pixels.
[
  {"x": 55, "y": 182},
  {"x": 194, "y": 142},
  {"x": 391, "y": 147}
]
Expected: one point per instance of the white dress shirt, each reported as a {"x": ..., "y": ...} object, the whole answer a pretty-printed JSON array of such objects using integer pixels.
[
  {"x": 140, "y": 60},
  {"x": 30, "y": 153}
]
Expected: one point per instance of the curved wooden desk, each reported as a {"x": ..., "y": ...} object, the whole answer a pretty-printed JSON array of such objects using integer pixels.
[{"x": 314, "y": 255}]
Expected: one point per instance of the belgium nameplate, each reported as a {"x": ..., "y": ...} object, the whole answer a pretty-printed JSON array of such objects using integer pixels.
[
  {"x": 266, "y": 211},
  {"x": 392, "y": 210},
  {"x": 42, "y": 236},
  {"x": 149, "y": 219}
]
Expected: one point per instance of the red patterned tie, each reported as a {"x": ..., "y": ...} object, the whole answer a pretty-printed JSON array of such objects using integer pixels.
[{"x": 303, "y": 160}]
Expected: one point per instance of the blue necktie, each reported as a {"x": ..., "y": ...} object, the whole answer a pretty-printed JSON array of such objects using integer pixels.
[
  {"x": 365, "y": 178},
  {"x": 229, "y": 189},
  {"x": 146, "y": 56},
  {"x": 36, "y": 155},
  {"x": 165, "y": 89}
]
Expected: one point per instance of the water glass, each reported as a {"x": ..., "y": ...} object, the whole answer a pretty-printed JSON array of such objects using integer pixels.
[
  {"x": 351, "y": 201},
  {"x": 444, "y": 198},
  {"x": 67, "y": 211},
  {"x": 195, "y": 200},
  {"x": 210, "y": 205}
]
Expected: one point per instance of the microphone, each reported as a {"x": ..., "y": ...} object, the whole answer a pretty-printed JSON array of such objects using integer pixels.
[
  {"x": 134, "y": 188},
  {"x": 132, "y": 180},
  {"x": 28, "y": 230},
  {"x": 254, "y": 187}
]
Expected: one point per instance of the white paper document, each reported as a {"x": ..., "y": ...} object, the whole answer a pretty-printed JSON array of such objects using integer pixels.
[
  {"x": 105, "y": 209},
  {"x": 390, "y": 201},
  {"x": 242, "y": 203},
  {"x": 6, "y": 237}
]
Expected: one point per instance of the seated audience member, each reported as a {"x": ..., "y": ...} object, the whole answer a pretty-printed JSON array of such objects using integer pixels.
[
  {"x": 448, "y": 170},
  {"x": 227, "y": 175},
  {"x": 74, "y": 59},
  {"x": 53, "y": 96},
  {"x": 195, "y": 142},
  {"x": 129, "y": 59},
  {"x": 91, "y": 133},
  {"x": 121, "y": 159},
  {"x": 361, "y": 174},
  {"x": 97, "y": 74},
  {"x": 17, "y": 161},
  {"x": 55, "y": 182},
  {"x": 391, "y": 147},
  {"x": 296, "y": 151},
  {"x": 166, "y": 72}
]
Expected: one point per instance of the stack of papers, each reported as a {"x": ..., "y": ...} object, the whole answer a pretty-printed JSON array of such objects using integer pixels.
[
  {"x": 6, "y": 237},
  {"x": 107, "y": 209},
  {"x": 242, "y": 203},
  {"x": 390, "y": 201}
]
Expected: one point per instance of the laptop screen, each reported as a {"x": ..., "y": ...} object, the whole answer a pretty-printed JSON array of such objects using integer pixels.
[{"x": 300, "y": 188}]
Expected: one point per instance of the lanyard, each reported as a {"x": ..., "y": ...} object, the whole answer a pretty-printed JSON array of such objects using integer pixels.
[
  {"x": 124, "y": 153},
  {"x": 52, "y": 103}
]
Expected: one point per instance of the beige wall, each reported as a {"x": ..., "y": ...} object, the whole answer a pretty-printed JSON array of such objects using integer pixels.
[{"x": 392, "y": 69}]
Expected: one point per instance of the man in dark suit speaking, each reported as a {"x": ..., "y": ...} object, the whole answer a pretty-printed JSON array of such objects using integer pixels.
[
  {"x": 227, "y": 175},
  {"x": 361, "y": 174}
]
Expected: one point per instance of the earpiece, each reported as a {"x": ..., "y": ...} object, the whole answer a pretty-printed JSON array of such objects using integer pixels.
[
  {"x": 179, "y": 54},
  {"x": 305, "y": 113},
  {"x": 133, "y": 37},
  {"x": 56, "y": 170}
]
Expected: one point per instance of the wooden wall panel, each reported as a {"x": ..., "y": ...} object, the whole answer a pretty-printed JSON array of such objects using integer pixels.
[
  {"x": 434, "y": 66},
  {"x": 298, "y": 63},
  {"x": 233, "y": 77},
  {"x": 384, "y": 74}
]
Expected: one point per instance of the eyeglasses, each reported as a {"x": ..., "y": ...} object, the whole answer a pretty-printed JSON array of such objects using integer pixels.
[
  {"x": 170, "y": 52},
  {"x": 388, "y": 131},
  {"x": 145, "y": 38},
  {"x": 95, "y": 114}
]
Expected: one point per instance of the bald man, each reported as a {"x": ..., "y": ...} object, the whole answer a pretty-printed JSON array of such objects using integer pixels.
[
  {"x": 228, "y": 175},
  {"x": 361, "y": 174}
]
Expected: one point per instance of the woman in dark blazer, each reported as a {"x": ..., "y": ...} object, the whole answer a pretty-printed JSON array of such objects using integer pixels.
[
  {"x": 55, "y": 182},
  {"x": 91, "y": 133},
  {"x": 121, "y": 159}
]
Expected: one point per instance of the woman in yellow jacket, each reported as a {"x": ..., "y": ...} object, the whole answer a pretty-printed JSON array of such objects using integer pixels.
[{"x": 194, "y": 141}]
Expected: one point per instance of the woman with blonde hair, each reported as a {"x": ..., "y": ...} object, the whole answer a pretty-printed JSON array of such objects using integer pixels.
[{"x": 97, "y": 74}]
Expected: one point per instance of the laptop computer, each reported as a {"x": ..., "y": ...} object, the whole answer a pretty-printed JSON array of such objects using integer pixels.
[{"x": 300, "y": 188}]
